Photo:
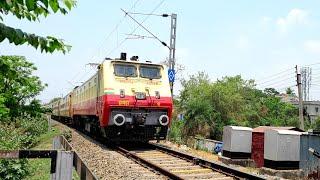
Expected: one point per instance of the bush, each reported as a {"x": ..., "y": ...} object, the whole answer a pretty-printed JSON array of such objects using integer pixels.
[
  {"x": 19, "y": 135},
  {"x": 13, "y": 169},
  {"x": 208, "y": 106},
  {"x": 175, "y": 133}
]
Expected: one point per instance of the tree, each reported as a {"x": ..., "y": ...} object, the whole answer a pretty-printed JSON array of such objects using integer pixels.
[
  {"x": 18, "y": 86},
  {"x": 289, "y": 91},
  {"x": 209, "y": 106},
  {"x": 32, "y": 10},
  {"x": 271, "y": 91}
]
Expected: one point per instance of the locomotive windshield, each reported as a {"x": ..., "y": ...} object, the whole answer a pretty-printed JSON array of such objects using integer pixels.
[
  {"x": 150, "y": 72},
  {"x": 125, "y": 70}
]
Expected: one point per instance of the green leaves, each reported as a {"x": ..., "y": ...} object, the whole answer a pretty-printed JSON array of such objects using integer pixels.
[
  {"x": 54, "y": 5},
  {"x": 18, "y": 85},
  {"x": 23, "y": 134},
  {"x": 230, "y": 101},
  {"x": 45, "y": 3},
  {"x": 31, "y": 4},
  {"x": 32, "y": 10},
  {"x": 18, "y": 37},
  {"x": 69, "y": 3}
]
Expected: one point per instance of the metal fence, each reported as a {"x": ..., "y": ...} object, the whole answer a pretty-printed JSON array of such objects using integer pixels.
[
  {"x": 80, "y": 166},
  {"x": 62, "y": 161}
]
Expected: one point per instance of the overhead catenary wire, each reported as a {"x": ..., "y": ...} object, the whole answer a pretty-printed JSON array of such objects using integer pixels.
[
  {"x": 104, "y": 40},
  {"x": 134, "y": 30},
  {"x": 149, "y": 14},
  {"x": 118, "y": 24},
  {"x": 162, "y": 42}
]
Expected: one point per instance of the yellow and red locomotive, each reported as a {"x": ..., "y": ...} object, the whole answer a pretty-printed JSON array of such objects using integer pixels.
[{"x": 124, "y": 100}]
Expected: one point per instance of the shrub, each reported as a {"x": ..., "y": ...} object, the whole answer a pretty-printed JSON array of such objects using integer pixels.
[
  {"x": 13, "y": 169},
  {"x": 175, "y": 133},
  {"x": 19, "y": 135}
]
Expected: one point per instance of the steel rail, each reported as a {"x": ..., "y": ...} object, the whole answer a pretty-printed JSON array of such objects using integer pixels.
[
  {"x": 205, "y": 163},
  {"x": 148, "y": 163},
  {"x": 226, "y": 170}
]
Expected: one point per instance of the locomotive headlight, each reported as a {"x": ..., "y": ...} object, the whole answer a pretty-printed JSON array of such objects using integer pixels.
[
  {"x": 122, "y": 94},
  {"x": 119, "y": 119},
  {"x": 164, "y": 120},
  {"x": 157, "y": 94}
]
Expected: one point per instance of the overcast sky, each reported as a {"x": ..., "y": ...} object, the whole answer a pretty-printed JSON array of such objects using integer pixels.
[{"x": 255, "y": 39}]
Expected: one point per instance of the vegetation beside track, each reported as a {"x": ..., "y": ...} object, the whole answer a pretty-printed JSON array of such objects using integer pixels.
[
  {"x": 40, "y": 168},
  {"x": 208, "y": 106},
  {"x": 22, "y": 119}
]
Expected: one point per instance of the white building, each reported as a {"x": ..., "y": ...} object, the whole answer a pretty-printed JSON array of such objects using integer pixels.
[{"x": 311, "y": 109}]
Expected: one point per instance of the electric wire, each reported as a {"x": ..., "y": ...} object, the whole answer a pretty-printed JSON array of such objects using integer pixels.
[
  {"x": 100, "y": 44},
  {"x": 276, "y": 82},
  {"x": 276, "y": 74},
  {"x": 149, "y": 14},
  {"x": 285, "y": 87},
  {"x": 313, "y": 64},
  {"x": 163, "y": 43},
  {"x": 117, "y": 25},
  {"x": 134, "y": 30},
  {"x": 276, "y": 78}
]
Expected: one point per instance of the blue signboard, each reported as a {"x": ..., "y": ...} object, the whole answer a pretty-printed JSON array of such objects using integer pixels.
[{"x": 171, "y": 75}]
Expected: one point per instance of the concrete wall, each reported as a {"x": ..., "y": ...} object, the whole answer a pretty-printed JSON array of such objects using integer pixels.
[{"x": 207, "y": 144}]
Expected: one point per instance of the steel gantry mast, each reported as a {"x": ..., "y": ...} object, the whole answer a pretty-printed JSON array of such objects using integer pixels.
[{"x": 172, "y": 49}]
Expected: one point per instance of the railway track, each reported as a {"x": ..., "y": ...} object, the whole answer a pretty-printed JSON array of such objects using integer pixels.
[
  {"x": 173, "y": 164},
  {"x": 177, "y": 165}
]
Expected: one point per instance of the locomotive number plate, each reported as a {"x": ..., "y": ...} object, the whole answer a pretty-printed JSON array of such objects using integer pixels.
[{"x": 124, "y": 103}]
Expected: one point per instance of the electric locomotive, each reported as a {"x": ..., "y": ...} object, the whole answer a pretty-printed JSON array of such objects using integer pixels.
[{"x": 125, "y": 100}]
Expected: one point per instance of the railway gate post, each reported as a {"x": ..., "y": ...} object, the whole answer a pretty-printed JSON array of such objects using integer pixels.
[
  {"x": 64, "y": 166},
  {"x": 64, "y": 162}
]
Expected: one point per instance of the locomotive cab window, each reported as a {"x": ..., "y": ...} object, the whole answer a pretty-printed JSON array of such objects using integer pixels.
[
  {"x": 150, "y": 72},
  {"x": 125, "y": 70}
]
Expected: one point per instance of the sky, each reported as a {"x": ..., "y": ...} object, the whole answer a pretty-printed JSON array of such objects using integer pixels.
[{"x": 261, "y": 40}]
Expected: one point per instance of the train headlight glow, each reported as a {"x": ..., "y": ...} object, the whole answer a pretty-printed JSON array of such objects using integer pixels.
[
  {"x": 122, "y": 93},
  {"x": 157, "y": 94}
]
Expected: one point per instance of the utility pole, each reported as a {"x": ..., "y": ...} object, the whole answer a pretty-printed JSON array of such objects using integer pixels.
[
  {"x": 300, "y": 99},
  {"x": 172, "y": 49}
]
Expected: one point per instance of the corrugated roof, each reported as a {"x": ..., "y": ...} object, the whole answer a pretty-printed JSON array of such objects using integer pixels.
[{"x": 264, "y": 128}]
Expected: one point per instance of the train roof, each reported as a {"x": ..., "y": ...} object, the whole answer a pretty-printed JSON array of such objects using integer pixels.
[{"x": 134, "y": 62}]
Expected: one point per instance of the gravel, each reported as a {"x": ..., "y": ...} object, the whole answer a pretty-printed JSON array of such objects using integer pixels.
[{"x": 106, "y": 163}]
